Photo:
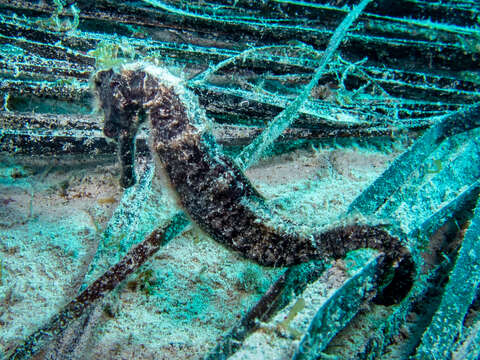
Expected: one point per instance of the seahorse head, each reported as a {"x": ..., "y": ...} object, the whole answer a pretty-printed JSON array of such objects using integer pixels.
[
  {"x": 119, "y": 96},
  {"x": 130, "y": 94}
]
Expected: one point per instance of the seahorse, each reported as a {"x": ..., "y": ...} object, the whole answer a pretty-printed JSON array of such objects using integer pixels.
[{"x": 210, "y": 187}]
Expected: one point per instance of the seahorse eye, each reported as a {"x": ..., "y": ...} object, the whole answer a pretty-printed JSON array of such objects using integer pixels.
[
  {"x": 101, "y": 78},
  {"x": 110, "y": 131}
]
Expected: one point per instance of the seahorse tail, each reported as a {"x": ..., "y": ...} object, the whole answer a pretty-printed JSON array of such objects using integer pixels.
[{"x": 397, "y": 268}]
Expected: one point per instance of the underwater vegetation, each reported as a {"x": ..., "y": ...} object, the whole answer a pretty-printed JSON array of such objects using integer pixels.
[{"x": 288, "y": 120}]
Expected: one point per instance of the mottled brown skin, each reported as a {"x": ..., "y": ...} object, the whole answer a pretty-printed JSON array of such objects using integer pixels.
[{"x": 212, "y": 189}]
